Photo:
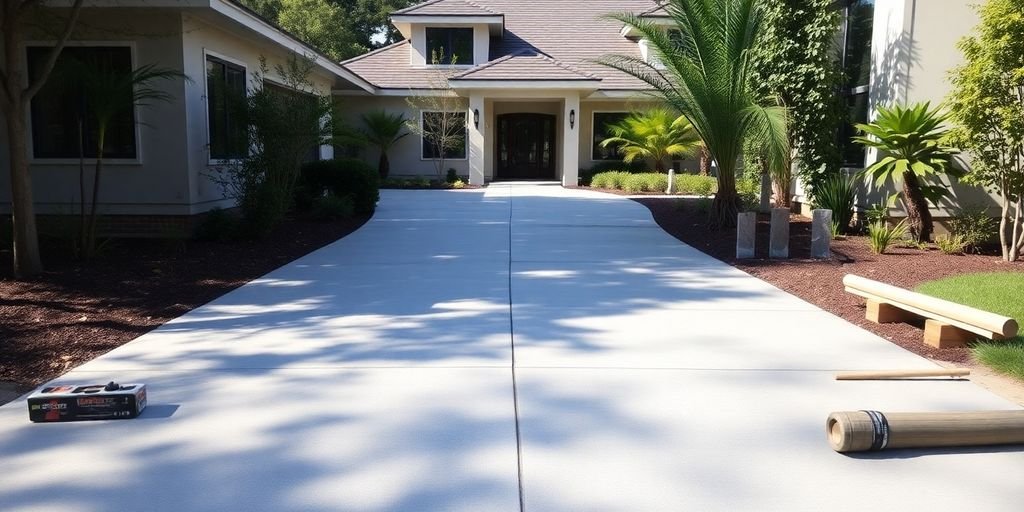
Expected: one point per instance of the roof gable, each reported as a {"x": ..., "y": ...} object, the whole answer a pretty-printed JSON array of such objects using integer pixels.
[
  {"x": 446, "y": 8},
  {"x": 542, "y": 40},
  {"x": 525, "y": 65}
]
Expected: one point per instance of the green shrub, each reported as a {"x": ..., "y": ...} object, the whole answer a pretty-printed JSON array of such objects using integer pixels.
[
  {"x": 881, "y": 236},
  {"x": 452, "y": 176},
  {"x": 694, "y": 185},
  {"x": 344, "y": 177},
  {"x": 749, "y": 190},
  {"x": 332, "y": 207},
  {"x": 656, "y": 182},
  {"x": 953, "y": 244},
  {"x": 837, "y": 193},
  {"x": 974, "y": 226},
  {"x": 635, "y": 183},
  {"x": 458, "y": 183},
  {"x": 876, "y": 213},
  {"x": 218, "y": 225},
  {"x": 615, "y": 180}
]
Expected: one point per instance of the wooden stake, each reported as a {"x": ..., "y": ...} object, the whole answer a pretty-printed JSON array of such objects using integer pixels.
[{"x": 903, "y": 374}]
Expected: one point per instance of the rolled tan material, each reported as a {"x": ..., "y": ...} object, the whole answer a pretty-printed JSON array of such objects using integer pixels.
[
  {"x": 903, "y": 374},
  {"x": 967, "y": 318},
  {"x": 858, "y": 431}
]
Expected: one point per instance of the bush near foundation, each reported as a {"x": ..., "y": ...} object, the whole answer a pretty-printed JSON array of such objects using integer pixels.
[
  {"x": 686, "y": 184},
  {"x": 341, "y": 177}
]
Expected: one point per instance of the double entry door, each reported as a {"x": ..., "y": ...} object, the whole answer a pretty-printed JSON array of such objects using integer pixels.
[{"x": 526, "y": 147}]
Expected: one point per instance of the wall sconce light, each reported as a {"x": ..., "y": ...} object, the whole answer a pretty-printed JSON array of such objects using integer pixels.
[
  {"x": 572, "y": 118},
  {"x": 476, "y": 117}
]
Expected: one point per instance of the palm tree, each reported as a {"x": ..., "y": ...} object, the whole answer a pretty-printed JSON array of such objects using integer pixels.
[
  {"x": 910, "y": 138},
  {"x": 107, "y": 93},
  {"x": 384, "y": 130},
  {"x": 704, "y": 76},
  {"x": 656, "y": 134}
]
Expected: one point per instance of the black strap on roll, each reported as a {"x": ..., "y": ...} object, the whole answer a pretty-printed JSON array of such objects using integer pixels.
[{"x": 880, "y": 427}]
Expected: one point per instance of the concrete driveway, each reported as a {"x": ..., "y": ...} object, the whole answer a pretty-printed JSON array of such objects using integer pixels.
[{"x": 521, "y": 347}]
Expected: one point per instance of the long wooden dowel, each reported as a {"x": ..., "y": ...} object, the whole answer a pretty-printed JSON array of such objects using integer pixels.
[
  {"x": 858, "y": 431},
  {"x": 902, "y": 374}
]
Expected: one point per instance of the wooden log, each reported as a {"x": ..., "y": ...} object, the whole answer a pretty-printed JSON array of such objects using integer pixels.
[
  {"x": 858, "y": 431},
  {"x": 982, "y": 323},
  {"x": 942, "y": 335},
  {"x": 903, "y": 374}
]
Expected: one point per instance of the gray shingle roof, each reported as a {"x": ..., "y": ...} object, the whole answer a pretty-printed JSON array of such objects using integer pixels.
[
  {"x": 572, "y": 33},
  {"x": 447, "y": 8},
  {"x": 525, "y": 65}
]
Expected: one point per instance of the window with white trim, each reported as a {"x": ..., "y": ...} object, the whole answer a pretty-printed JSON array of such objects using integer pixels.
[
  {"x": 225, "y": 104},
  {"x": 446, "y": 45},
  {"x": 450, "y": 127},
  {"x": 62, "y": 105},
  {"x": 602, "y": 122}
]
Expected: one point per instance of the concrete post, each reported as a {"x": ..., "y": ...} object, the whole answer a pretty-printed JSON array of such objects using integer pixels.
[
  {"x": 779, "y": 245},
  {"x": 571, "y": 117},
  {"x": 475, "y": 129},
  {"x": 746, "y": 229},
  {"x": 671, "y": 181},
  {"x": 821, "y": 234}
]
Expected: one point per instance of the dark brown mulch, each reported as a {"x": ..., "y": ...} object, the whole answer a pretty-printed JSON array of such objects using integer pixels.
[
  {"x": 820, "y": 282},
  {"x": 77, "y": 311}
]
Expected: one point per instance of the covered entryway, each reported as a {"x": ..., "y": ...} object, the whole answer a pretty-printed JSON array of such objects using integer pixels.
[{"x": 526, "y": 147}]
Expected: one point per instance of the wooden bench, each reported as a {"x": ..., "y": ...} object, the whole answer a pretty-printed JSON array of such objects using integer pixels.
[{"x": 947, "y": 324}]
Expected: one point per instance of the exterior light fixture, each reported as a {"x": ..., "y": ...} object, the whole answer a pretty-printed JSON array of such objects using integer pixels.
[
  {"x": 476, "y": 117},
  {"x": 572, "y": 118}
]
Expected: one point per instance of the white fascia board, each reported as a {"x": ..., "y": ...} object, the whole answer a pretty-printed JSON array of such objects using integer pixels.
[
  {"x": 398, "y": 92},
  {"x": 628, "y": 31},
  {"x": 255, "y": 23},
  {"x": 583, "y": 85},
  {"x": 496, "y": 22},
  {"x": 626, "y": 94}
]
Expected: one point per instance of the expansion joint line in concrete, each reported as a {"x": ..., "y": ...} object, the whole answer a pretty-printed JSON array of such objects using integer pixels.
[{"x": 512, "y": 342}]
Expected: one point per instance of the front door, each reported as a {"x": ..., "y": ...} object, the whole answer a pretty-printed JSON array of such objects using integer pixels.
[{"x": 526, "y": 147}]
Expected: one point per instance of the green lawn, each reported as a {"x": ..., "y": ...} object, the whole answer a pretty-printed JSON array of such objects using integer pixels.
[{"x": 998, "y": 292}]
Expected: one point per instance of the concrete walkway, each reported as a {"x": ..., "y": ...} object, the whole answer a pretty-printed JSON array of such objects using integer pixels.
[{"x": 520, "y": 347}]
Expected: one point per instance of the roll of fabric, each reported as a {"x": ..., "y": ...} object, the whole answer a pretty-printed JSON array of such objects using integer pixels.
[{"x": 859, "y": 431}]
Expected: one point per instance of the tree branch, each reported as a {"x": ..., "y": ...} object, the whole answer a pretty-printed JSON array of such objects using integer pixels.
[{"x": 51, "y": 59}]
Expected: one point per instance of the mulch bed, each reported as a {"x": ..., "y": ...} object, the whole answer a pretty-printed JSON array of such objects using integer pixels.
[
  {"x": 77, "y": 311},
  {"x": 820, "y": 281}
]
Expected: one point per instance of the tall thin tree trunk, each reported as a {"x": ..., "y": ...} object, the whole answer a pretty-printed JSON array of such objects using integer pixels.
[
  {"x": 384, "y": 165},
  {"x": 918, "y": 215},
  {"x": 1005, "y": 241},
  {"x": 82, "y": 232},
  {"x": 90, "y": 249},
  {"x": 27, "y": 260},
  {"x": 705, "y": 161}
]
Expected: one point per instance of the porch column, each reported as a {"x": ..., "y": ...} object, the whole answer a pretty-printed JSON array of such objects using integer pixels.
[
  {"x": 476, "y": 123},
  {"x": 571, "y": 140}
]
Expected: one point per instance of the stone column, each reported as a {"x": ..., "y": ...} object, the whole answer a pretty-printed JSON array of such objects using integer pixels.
[
  {"x": 821, "y": 234},
  {"x": 779, "y": 246},
  {"x": 571, "y": 117},
  {"x": 746, "y": 229},
  {"x": 475, "y": 143}
]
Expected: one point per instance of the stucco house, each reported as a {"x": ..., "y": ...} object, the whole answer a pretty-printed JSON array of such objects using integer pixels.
[
  {"x": 156, "y": 174},
  {"x": 533, "y": 99}
]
